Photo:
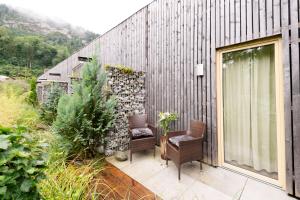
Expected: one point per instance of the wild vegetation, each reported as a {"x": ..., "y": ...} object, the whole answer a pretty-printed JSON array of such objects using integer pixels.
[
  {"x": 31, "y": 52},
  {"x": 29, "y": 44},
  {"x": 14, "y": 109},
  {"x": 34, "y": 162},
  {"x": 85, "y": 117}
]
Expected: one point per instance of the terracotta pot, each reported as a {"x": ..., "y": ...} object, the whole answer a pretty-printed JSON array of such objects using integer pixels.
[{"x": 163, "y": 145}]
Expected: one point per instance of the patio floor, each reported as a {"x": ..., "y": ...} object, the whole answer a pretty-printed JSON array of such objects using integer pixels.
[{"x": 209, "y": 184}]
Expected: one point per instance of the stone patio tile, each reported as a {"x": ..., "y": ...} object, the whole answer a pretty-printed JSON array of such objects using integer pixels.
[
  {"x": 200, "y": 191},
  {"x": 136, "y": 157},
  {"x": 116, "y": 163},
  {"x": 142, "y": 170},
  {"x": 166, "y": 184},
  {"x": 223, "y": 180},
  {"x": 255, "y": 190}
]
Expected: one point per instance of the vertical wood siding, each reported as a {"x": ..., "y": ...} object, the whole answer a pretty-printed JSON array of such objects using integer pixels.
[{"x": 167, "y": 38}]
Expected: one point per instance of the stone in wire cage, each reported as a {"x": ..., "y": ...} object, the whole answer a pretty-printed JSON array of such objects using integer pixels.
[{"x": 129, "y": 89}]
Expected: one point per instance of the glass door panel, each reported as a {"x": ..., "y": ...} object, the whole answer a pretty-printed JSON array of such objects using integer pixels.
[{"x": 249, "y": 110}]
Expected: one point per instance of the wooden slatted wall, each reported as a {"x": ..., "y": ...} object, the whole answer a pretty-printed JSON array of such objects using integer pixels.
[{"x": 167, "y": 38}]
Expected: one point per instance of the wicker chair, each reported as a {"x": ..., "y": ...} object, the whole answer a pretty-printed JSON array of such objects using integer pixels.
[
  {"x": 187, "y": 151},
  {"x": 144, "y": 142}
]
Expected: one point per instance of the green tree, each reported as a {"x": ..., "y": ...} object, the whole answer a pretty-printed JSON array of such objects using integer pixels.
[
  {"x": 85, "y": 118},
  {"x": 6, "y": 42},
  {"x": 62, "y": 53}
]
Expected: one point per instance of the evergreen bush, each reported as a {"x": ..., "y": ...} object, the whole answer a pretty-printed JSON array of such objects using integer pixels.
[{"x": 85, "y": 117}]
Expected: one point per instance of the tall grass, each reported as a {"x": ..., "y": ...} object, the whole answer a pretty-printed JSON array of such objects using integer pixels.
[
  {"x": 68, "y": 181},
  {"x": 13, "y": 108}
]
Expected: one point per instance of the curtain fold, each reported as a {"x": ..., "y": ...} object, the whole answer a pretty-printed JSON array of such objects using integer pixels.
[{"x": 249, "y": 108}]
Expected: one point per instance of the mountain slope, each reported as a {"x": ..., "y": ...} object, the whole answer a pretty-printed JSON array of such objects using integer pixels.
[
  {"x": 22, "y": 22},
  {"x": 32, "y": 43}
]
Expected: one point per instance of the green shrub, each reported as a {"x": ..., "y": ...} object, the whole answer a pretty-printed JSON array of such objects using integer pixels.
[
  {"x": 32, "y": 97},
  {"x": 85, "y": 118},
  {"x": 48, "y": 109},
  {"x": 22, "y": 164}
]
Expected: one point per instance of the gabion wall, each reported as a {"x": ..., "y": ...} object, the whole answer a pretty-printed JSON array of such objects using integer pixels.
[
  {"x": 129, "y": 88},
  {"x": 44, "y": 88}
]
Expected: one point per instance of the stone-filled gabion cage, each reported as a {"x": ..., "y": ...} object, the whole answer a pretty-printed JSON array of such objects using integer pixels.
[
  {"x": 44, "y": 89},
  {"x": 129, "y": 88}
]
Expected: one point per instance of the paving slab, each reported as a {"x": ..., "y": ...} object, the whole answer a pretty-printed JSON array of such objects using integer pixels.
[{"x": 210, "y": 183}]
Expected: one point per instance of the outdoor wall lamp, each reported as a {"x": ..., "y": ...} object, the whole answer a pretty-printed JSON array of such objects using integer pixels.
[{"x": 199, "y": 70}]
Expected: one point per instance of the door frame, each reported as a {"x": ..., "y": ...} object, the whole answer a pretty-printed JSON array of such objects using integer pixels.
[{"x": 279, "y": 84}]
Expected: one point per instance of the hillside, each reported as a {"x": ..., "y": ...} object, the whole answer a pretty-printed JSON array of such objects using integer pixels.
[{"x": 30, "y": 43}]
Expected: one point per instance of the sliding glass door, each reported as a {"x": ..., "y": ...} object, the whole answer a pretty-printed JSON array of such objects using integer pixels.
[{"x": 249, "y": 111}]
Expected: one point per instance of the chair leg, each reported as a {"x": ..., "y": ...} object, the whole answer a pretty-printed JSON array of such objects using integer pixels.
[
  {"x": 200, "y": 165},
  {"x": 167, "y": 162},
  {"x": 154, "y": 152},
  {"x": 179, "y": 172},
  {"x": 130, "y": 156}
]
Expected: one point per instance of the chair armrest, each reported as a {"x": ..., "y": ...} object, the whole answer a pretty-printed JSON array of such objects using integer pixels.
[
  {"x": 153, "y": 129},
  {"x": 175, "y": 133}
]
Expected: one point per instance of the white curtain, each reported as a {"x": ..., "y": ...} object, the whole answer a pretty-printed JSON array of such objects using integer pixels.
[{"x": 249, "y": 113}]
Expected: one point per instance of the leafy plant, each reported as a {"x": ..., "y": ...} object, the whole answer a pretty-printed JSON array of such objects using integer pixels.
[
  {"x": 85, "y": 118},
  {"x": 22, "y": 164},
  {"x": 49, "y": 107},
  {"x": 165, "y": 119}
]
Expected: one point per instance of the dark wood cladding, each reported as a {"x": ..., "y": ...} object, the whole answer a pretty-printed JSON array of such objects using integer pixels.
[{"x": 167, "y": 38}]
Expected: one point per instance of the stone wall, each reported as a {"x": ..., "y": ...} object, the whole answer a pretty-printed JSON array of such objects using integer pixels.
[
  {"x": 44, "y": 88},
  {"x": 129, "y": 88}
]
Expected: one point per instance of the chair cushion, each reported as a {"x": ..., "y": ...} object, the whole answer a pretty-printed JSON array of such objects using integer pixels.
[
  {"x": 139, "y": 132},
  {"x": 175, "y": 140}
]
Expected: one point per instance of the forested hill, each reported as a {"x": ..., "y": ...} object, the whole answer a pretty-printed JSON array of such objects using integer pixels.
[{"x": 30, "y": 43}]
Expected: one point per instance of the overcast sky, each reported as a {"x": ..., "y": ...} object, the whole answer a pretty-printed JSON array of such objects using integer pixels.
[{"x": 94, "y": 15}]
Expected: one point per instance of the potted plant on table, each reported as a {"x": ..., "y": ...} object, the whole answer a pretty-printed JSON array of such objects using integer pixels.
[{"x": 165, "y": 119}]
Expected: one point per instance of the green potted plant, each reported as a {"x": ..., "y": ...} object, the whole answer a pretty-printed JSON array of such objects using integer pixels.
[{"x": 165, "y": 119}]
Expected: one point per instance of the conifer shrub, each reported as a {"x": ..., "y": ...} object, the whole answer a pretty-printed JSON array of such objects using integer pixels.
[{"x": 84, "y": 118}]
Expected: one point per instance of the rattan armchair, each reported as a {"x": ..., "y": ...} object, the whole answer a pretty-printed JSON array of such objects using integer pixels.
[
  {"x": 187, "y": 151},
  {"x": 144, "y": 142}
]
